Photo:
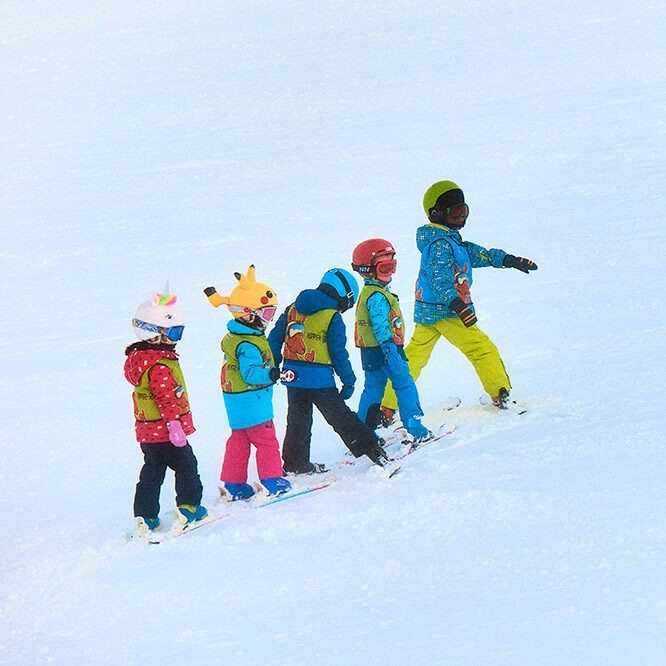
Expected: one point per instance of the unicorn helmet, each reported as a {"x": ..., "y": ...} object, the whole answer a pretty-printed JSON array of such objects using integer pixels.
[{"x": 158, "y": 316}]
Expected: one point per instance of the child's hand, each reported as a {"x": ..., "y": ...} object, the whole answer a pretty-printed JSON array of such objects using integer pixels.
[
  {"x": 392, "y": 357},
  {"x": 519, "y": 263},
  {"x": 176, "y": 434},
  {"x": 464, "y": 311},
  {"x": 347, "y": 391}
]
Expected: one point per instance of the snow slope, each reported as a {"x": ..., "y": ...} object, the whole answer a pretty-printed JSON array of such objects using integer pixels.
[{"x": 182, "y": 141}]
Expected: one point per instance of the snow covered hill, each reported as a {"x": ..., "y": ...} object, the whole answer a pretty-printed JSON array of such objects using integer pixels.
[{"x": 183, "y": 141}]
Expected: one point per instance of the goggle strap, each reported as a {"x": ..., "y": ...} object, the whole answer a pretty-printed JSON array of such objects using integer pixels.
[
  {"x": 347, "y": 287},
  {"x": 248, "y": 310}
]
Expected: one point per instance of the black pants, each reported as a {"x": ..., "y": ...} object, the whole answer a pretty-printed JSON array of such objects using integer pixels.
[
  {"x": 357, "y": 436},
  {"x": 157, "y": 457}
]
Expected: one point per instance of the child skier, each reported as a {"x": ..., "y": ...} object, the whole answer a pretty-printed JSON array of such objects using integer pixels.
[
  {"x": 443, "y": 305},
  {"x": 247, "y": 378},
  {"x": 162, "y": 413},
  {"x": 379, "y": 333},
  {"x": 314, "y": 338}
]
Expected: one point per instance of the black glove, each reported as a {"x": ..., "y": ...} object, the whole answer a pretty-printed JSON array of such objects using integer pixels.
[
  {"x": 209, "y": 291},
  {"x": 274, "y": 374},
  {"x": 524, "y": 265},
  {"x": 464, "y": 311}
]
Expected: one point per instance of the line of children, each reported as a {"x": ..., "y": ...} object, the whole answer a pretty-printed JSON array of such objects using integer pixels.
[{"x": 309, "y": 340}]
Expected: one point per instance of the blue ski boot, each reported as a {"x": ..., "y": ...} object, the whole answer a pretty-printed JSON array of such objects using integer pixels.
[
  {"x": 276, "y": 486},
  {"x": 417, "y": 430},
  {"x": 190, "y": 513},
  {"x": 236, "y": 491},
  {"x": 145, "y": 525}
]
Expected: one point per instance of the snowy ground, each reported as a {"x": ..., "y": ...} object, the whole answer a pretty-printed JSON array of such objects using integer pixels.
[{"x": 146, "y": 141}]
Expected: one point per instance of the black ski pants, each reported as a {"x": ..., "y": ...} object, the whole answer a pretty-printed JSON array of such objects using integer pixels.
[
  {"x": 157, "y": 457},
  {"x": 356, "y": 435}
]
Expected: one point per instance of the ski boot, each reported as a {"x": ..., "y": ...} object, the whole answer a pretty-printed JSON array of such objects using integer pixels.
[
  {"x": 378, "y": 455},
  {"x": 276, "y": 486},
  {"x": 307, "y": 468},
  {"x": 386, "y": 416},
  {"x": 190, "y": 513},
  {"x": 236, "y": 491},
  {"x": 503, "y": 401},
  {"x": 417, "y": 430},
  {"x": 145, "y": 525}
]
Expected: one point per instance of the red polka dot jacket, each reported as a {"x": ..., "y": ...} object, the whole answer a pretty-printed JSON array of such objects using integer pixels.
[{"x": 145, "y": 357}]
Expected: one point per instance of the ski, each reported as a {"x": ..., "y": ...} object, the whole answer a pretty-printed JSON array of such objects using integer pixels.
[
  {"x": 393, "y": 469},
  {"x": 409, "y": 446},
  {"x": 511, "y": 406},
  {"x": 400, "y": 437},
  {"x": 390, "y": 469},
  {"x": 178, "y": 531},
  {"x": 436, "y": 413},
  {"x": 258, "y": 504}
]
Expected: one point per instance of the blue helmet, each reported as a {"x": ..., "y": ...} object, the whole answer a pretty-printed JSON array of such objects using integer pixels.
[{"x": 340, "y": 285}]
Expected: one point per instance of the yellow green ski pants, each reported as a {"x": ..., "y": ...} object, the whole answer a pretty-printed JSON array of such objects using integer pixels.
[{"x": 479, "y": 349}]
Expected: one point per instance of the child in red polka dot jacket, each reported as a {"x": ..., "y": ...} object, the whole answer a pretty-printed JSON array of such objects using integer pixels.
[{"x": 162, "y": 413}]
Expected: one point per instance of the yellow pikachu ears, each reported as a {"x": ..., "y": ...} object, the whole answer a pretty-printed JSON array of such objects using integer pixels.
[
  {"x": 247, "y": 296},
  {"x": 246, "y": 280}
]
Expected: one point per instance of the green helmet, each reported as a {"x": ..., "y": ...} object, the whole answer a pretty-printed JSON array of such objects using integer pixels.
[{"x": 434, "y": 192}]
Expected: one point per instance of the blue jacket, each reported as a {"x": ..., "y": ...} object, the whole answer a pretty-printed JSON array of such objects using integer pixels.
[
  {"x": 249, "y": 408},
  {"x": 315, "y": 375},
  {"x": 445, "y": 272}
]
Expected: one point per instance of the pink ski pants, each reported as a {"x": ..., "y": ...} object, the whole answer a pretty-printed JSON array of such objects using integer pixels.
[{"x": 237, "y": 453}]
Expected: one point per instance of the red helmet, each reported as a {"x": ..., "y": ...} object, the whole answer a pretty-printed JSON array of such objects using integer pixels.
[{"x": 366, "y": 253}]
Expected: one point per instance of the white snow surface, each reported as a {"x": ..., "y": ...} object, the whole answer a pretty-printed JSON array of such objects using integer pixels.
[{"x": 177, "y": 140}]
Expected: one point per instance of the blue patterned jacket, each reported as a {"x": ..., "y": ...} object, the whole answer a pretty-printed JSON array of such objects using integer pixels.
[{"x": 445, "y": 272}]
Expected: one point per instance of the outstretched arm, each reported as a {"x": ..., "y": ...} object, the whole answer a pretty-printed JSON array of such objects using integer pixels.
[{"x": 480, "y": 257}]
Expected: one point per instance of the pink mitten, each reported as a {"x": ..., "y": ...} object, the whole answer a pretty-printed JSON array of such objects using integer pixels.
[{"x": 176, "y": 434}]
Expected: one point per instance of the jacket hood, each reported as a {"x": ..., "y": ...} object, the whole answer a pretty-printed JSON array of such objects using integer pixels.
[
  {"x": 310, "y": 301},
  {"x": 432, "y": 232},
  {"x": 142, "y": 355}
]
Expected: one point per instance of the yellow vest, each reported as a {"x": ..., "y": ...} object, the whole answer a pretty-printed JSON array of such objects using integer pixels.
[
  {"x": 145, "y": 407},
  {"x": 364, "y": 336},
  {"x": 306, "y": 336},
  {"x": 230, "y": 377}
]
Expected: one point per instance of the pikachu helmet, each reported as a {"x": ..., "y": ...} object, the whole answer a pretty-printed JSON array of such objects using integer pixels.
[{"x": 248, "y": 297}]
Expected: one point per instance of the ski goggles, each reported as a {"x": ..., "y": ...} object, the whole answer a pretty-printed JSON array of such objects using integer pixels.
[
  {"x": 386, "y": 267},
  {"x": 266, "y": 313},
  {"x": 459, "y": 212},
  {"x": 174, "y": 333}
]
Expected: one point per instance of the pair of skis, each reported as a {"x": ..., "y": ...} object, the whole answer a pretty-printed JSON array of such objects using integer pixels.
[{"x": 156, "y": 537}]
